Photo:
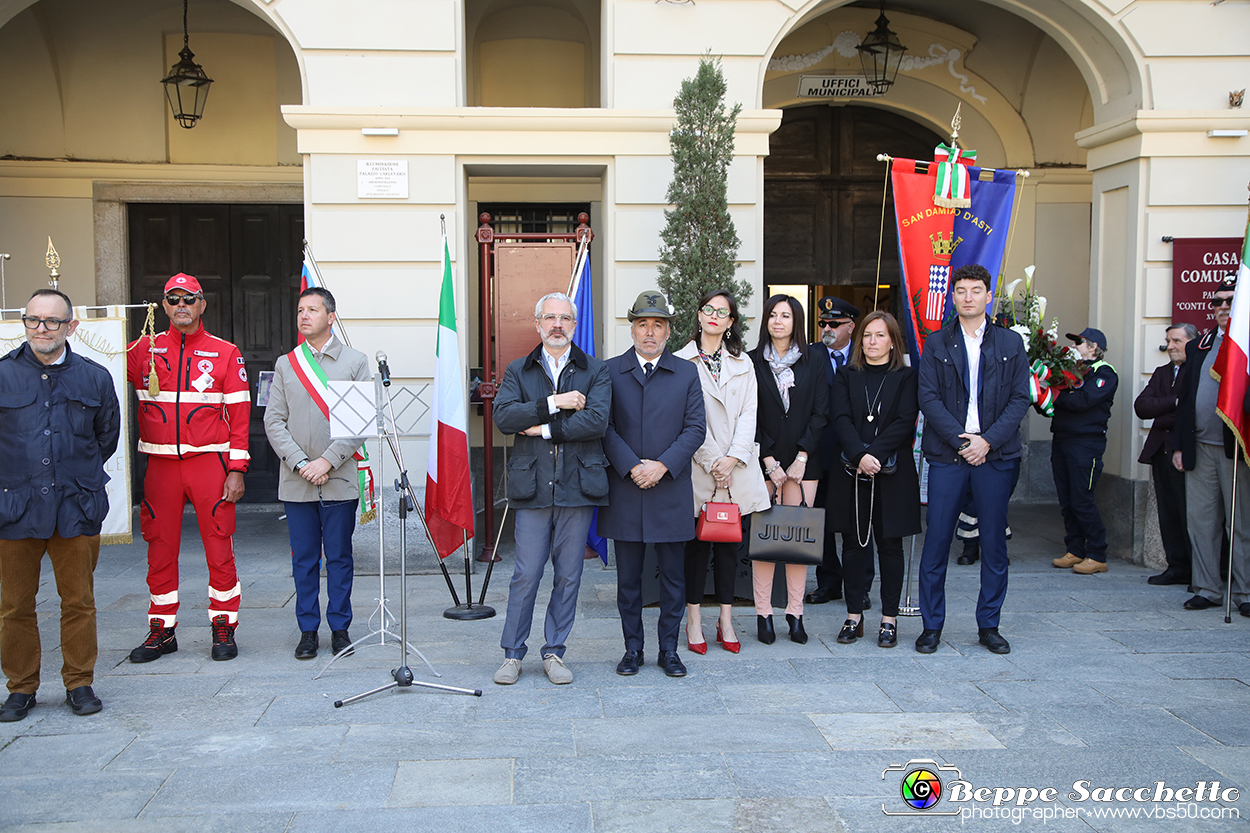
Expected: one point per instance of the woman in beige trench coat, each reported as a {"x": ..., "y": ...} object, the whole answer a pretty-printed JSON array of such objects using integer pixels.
[{"x": 727, "y": 463}]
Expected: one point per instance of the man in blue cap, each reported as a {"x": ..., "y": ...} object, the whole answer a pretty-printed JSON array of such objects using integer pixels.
[{"x": 1080, "y": 438}]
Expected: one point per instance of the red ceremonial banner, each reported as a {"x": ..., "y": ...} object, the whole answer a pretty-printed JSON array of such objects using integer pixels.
[
  {"x": 926, "y": 244},
  {"x": 1199, "y": 264}
]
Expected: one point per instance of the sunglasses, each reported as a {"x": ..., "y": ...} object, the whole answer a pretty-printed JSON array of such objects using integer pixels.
[
  {"x": 175, "y": 300},
  {"x": 1216, "y": 303},
  {"x": 1078, "y": 342},
  {"x": 52, "y": 324},
  {"x": 831, "y": 325},
  {"x": 718, "y": 312}
]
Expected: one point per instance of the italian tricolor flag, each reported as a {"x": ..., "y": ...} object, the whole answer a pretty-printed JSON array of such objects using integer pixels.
[
  {"x": 448, "y": 497},
  {"x": 1232, "y": 365}
]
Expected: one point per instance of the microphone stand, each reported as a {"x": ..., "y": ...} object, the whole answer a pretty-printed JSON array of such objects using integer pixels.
[{"x": 402, "y": 677}]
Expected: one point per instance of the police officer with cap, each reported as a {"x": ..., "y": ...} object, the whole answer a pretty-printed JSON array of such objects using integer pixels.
[
  {"x": 836, "y": 320},
  {"x": 1080, "y": 431}
]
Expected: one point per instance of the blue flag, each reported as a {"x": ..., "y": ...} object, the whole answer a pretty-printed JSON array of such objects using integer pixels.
[
  {"x": 984, "y": 228},
  {"x": 584, "y": 338}
]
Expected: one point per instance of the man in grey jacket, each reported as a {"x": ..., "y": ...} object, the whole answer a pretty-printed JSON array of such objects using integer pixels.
[
  {"x": 319, "y": 481},
  {"x": 556, "y": 401}
]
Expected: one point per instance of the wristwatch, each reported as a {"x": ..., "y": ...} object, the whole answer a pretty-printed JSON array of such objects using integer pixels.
[
  {"x": 300, "y": 465},
  {"x": 802, "y": 458}
]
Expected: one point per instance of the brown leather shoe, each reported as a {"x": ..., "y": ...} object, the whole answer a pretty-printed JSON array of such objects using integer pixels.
[
  {"x": 1068, "y": 560},
  {"x": 1089, "y": 566}
]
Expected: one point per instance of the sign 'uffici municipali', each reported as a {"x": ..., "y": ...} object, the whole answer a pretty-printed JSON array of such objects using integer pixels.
[{"x": 836, "y": 86}]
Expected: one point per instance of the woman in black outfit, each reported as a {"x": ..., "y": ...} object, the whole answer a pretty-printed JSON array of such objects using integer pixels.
[
  {"x": 793, "y": 401},
  {"x": 875, "y": 405}
]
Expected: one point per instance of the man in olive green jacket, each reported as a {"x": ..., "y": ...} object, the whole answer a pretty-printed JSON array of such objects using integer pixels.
[{"x": 319, "y": 480}]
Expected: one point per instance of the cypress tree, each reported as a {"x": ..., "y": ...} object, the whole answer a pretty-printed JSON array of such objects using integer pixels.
[{"x": 699, "y": 245}]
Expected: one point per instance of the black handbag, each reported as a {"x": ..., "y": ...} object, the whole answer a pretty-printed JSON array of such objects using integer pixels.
[
  {"x": 888, "y": 466},
  {"x": 788, "y": 535}
]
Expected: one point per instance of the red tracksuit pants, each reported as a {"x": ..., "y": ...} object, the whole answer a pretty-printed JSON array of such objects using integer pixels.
[{"x": 167, "y": 487}]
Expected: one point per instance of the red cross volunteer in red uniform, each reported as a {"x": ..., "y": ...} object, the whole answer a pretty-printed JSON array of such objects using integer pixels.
[{"x": 193, "y": 425}]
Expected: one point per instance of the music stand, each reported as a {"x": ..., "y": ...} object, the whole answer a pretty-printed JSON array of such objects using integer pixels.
[{"x": 349, "y": 418}]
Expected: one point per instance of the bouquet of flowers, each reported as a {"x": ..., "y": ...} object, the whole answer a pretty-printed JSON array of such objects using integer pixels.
[{"x": 1053, "y": 366}]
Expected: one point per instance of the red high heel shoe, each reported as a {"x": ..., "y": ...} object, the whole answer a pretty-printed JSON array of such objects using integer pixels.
[
  {"x": 699, "y": 648},
  {"x": 731, "y": 647}
]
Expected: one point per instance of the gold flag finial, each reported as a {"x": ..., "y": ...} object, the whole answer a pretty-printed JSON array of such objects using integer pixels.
[
  {"x": 54, "y": 264},
  {"x": 955, "y": 123}
]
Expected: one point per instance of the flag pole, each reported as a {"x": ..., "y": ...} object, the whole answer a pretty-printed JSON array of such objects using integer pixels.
[
  {"x": 321, "y": 281},
  {"x": 885, "y": 194},
  {"x": 578, "y": 263},
  {"x": 1232, "y": 545}
]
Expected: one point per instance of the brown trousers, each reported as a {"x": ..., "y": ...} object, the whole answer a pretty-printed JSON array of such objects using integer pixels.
[{"x": 73, "y": 565}]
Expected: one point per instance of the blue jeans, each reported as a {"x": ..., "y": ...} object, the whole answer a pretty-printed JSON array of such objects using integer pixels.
[
  {"x": 317, "y": 527},
  {"x": 991, "y": 489},
  {"x": 558, "y": 533}
]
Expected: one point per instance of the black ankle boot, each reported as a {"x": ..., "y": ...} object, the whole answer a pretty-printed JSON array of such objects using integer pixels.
[
  {"x": 797, "y": 634},
  {"x": 764, "y": 625}
]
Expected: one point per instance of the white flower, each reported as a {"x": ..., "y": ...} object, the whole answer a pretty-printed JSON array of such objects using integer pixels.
[
  {"x": 1041, "y": 310},
  {"x": 1022, "y": 331}
]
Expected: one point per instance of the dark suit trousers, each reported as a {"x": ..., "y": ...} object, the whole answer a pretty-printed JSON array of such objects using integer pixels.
[
  {"x": 1076, "y": 463},
  {"x": 1170, "y": 500},
  {"x": 991, "y": 488},
  {"x": 671, "y": 561}
]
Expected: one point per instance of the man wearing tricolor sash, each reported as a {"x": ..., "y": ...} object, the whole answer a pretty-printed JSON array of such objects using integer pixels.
[{"x": 323, "y": 481}]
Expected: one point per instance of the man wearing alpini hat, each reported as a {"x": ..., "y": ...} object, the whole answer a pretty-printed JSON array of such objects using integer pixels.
[
  {"x": 193, "y": 420},
  {"x": 655, "y": 426}
]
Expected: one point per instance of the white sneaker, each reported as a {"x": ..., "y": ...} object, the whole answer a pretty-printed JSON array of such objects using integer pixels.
[
  {"x": 556, "y": 670},
  {"x": 509, "y": 672}
]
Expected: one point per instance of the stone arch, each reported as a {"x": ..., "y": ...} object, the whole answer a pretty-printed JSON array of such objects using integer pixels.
[
  {"x": 934, "y": 84},
  {"x": 11, "y": 8},
  {"x": 1104, "y": 54},
  {"x": 82, "y": 82}
]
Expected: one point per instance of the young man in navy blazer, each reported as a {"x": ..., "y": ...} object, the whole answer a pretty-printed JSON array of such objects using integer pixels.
[{"x": 974, "y": 391}]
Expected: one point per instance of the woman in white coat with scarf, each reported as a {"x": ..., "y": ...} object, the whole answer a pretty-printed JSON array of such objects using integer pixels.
[{"x": 726, "y": 467}]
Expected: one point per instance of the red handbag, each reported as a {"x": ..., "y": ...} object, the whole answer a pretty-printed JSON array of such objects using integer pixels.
[{"x": 720, "y": 522}]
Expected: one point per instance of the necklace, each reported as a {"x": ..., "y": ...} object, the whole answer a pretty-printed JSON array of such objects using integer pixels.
[{"x": 873, "y": 404}]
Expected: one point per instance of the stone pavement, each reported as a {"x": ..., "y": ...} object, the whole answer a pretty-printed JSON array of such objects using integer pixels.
[{"x": 1109, "y": 681}]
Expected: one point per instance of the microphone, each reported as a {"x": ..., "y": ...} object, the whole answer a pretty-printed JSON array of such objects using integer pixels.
[{"x": 383, "y": 369}]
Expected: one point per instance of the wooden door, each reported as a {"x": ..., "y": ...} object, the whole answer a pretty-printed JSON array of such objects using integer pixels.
[
  {"x": 823, "y": 190},
  {"x": 247, "y": 258}
]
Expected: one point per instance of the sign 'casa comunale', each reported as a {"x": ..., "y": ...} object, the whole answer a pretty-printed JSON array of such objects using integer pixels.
[{"x": 836, "y": 86}]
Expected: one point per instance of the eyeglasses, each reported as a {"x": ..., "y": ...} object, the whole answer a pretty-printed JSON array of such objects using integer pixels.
[
  {"x": 174, "y": 300},
  {"x": 711, "y": 311},
  {"x": 52, "y": 324},
  {"x": 551, "y": 318},
  {"x": 1216, "y": 303},
  {"x": 831, "y": 325},
  {"x": 1078, "y": 342}
]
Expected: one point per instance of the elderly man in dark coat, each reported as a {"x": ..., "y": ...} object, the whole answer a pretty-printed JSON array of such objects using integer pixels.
[
  {"x": 656, "y": 425},
  {"x": 1158, "y": 401}
]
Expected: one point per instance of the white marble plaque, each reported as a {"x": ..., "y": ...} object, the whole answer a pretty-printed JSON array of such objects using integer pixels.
[{"x": 382, "y": 179}]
